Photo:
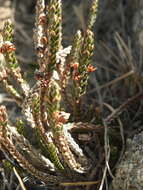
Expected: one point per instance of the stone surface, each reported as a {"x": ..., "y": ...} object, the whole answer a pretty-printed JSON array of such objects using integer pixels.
[{"x": 129, "y": 173}]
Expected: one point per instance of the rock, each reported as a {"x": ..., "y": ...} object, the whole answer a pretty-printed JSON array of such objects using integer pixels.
[{"x": 129, "y": 173}]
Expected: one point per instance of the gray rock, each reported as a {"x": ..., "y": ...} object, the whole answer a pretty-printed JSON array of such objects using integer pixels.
[{"x": 129, "y": 173}]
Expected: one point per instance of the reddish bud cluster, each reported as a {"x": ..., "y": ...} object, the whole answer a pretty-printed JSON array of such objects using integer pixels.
[
  {"x": 75, "y": 74},
  {"x": 3, "y": 116},
  {"x": 77, "y": 77},
  {"x": 43, "y": 78},
  {"x": 43, "y": 20},
  {"x": 75, "y": 65},
  {"x": 61, "y": 116},
  {"x": 7, "y": 47},
  {"x": 91, "y": 68},
  {"x": 44, "y": 40}
]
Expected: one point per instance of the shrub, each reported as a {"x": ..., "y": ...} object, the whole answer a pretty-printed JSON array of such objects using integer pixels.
[{"x": 61, "y": 81}]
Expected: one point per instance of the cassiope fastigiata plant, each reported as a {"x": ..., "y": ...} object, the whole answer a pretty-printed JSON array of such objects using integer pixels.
[{"x": 62, "y": 77}]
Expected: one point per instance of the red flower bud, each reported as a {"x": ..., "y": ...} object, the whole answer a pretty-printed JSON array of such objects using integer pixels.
[{"x": 91, "y": 68}]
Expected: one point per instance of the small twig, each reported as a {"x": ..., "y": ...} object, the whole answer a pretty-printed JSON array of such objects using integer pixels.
[
  {"x": 94, "y": 171},
  {"x": 80, "y": 183},
  {"x": 107, "y": 155},
  {"x": 120, "y": 109},
  {"x": 123, "y": 143},
  {"x": 19, "y": 179},
  {"x": 18, "y": 187},
  {"x": 11, "y": 180},
  {"x": 112, "y": 82},
  {"x": 103, "y": 178},
  {"x": 85, "y": 127},
  {"x": 117, "y": 79},
  {"x": 107, "y": 149},
  {"x": 121, "y": 133}
]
